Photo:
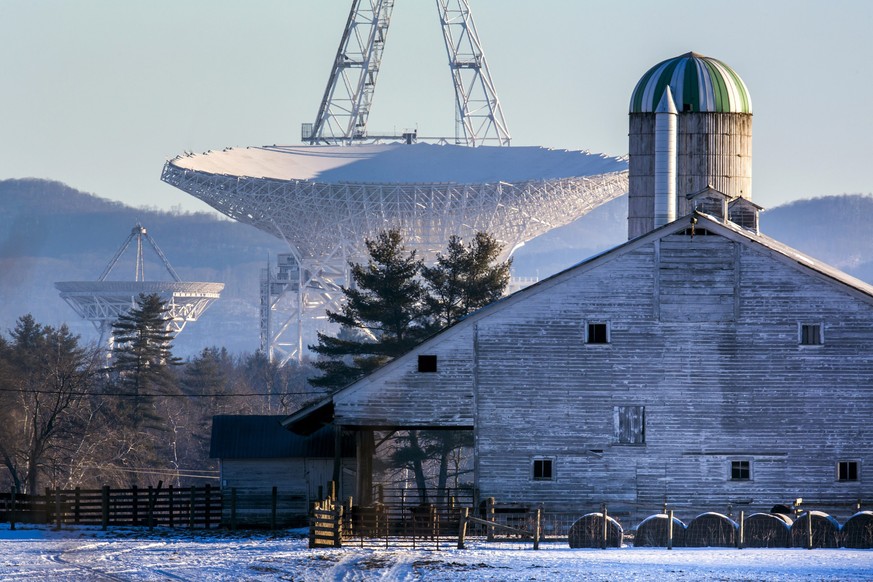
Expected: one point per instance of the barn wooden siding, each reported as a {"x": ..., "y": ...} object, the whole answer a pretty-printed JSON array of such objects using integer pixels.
[
  {"x": 704, "y": 338},
  {"x": 421, "y": 399},
  {"x": 704, "y": 335},
  {"x": 714, "y": 149}
]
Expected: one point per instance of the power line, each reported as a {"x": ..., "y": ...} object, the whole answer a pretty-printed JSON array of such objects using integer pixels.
[
  {"x": 129, "y": 395},
  {"x": 193, "y": 473}
]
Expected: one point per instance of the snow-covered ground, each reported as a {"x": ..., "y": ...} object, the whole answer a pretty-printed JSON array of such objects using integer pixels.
[{"x": 37, "y": 553}]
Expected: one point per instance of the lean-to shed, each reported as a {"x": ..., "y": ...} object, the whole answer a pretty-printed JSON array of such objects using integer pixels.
[{"x": 257, "y": 454}]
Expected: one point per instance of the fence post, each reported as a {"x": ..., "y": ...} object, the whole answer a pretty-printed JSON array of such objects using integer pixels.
[
  {"x": 135, "y": 504},
  {"x": 333, "y": 489},
  {"x": 58, "y": 517},
  {"x": 232, "y": 508},
  {"x": 742, "y": 533},
  {"x": 77, "y": 511},
  {"x": 207, "y": 508},
  {"x": 338, "y": 526},
  {"x": 170, "y": 500},
  {"x": 149, "y": 514},
  {"x": 274, "y": 503},
  {"x": 808, "y": 530},
  {"x": 191, "y": 509},
  {"x": 12, "y": 509},
  {"x": 105, "y": 507},
  {"x": 48, "y": 506},
  {"x": 314, "y": 506},
  {"x": 538, "y": 528},
  {"x": 489, "y": 510},
  {"x": 670, "y": 530},
  {"x": 604, "y": 533}
]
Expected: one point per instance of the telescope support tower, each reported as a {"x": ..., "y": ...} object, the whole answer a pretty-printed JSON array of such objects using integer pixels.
[{"x": 345, "y": 108}]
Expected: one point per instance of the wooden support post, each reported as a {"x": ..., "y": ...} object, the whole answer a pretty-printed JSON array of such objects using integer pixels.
[
  {"x": 670, "y": 530},
  {"x": 12, "y": 509},
  {"x": 809, "y": 530},
  {"x": 332, "y": 489},
  {"x": 232, "y": 508},
  {"x": 489, "y": 516},
  {"x": 462, "y": 527},
  {"x": 604, "y": 533},
  {"x": 741, "y": 534},
  {"x": 77, "y": 511},
  {"x": 105, "y": 507},
  {"x": 274, "y": 504},
  {"x": 366, "y": 451},
  {"x": 207, "y": 508},
  {"x": 58, "y": 515},
  {"x": 337, "y": 455},
  {"x": 48, "y": 505},
  {"x": 538, "y": 528},
  {"x": 191, "y": 509}
]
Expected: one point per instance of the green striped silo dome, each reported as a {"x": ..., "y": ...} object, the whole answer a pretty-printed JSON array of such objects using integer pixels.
[{"x": 698, "y": 83}]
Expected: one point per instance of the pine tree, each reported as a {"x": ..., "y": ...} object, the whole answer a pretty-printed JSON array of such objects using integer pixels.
[
  {"x": 464, "y": 279},
  {"x": 383, "y": 316},
  {"x": 142, "y": 355}
]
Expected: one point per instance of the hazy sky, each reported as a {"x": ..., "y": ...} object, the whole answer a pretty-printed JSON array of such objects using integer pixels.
[{"x": 99, "y": 93}]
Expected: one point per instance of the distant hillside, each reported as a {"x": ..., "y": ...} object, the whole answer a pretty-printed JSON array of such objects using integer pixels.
[
  {"x": 835, "y": 229},
  {"x": 50, "y": 232}
]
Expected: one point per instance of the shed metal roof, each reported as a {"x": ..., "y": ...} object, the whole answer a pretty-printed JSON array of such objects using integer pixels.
[{"x": 263, "y": 437}]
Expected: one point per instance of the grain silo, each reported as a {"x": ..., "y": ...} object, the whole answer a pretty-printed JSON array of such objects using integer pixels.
[{"x": 713, "y": 136}]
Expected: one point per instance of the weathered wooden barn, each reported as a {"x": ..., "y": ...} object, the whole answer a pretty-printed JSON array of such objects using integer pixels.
[
  {"x": 257, "y": 454},
  {"x": 702, "y": 365}
]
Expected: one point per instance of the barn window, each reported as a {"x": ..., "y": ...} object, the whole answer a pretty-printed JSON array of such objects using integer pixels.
[
  {"x": 811, "y": 334},
  {"x": 543, "y": 469},
  {"x": 847, "y": 471},
  {"x": 741, "y": 470},
  {"x": 427, "y": 364},
  {"x": 597, "y": 332},
  {"x": 630, "y": 425}
]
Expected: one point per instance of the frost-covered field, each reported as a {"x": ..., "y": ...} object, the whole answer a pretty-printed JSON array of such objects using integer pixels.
[{"x": 123, "y": 554}]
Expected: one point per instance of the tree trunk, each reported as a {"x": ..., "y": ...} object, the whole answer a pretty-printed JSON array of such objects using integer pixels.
[{"x": 417, "y": 468}]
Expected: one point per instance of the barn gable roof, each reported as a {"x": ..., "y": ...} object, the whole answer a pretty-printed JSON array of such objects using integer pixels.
[
  {"x": 306, "y": 419},
  {"x": 264, "y": 437}
]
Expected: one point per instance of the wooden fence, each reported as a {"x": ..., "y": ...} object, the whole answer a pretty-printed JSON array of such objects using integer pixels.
[
  {"x": 192, "y": 507},
  {"x": 438, "y": 526},
  {"x": 406, "y": 524}
]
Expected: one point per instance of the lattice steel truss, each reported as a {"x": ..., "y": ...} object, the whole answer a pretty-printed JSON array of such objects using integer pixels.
[
  {"x": 478, "y": 116},
  {"x": 342, "y": 116},
  {"x": 325, "y": 226},
  {"x": 102, "y": 302},
  {"x": 345, "y": 108}
]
